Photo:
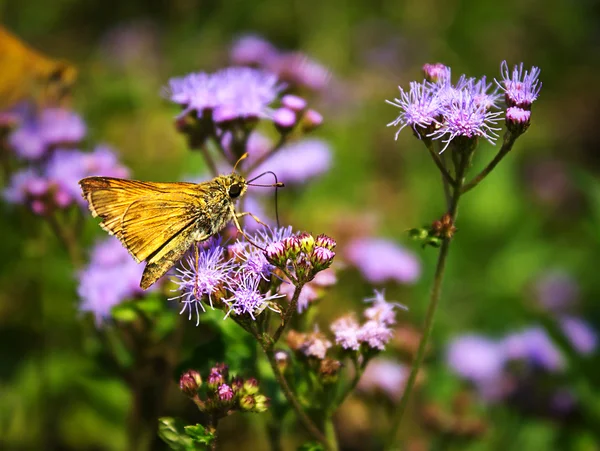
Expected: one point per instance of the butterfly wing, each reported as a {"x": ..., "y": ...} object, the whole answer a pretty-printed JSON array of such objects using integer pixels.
[{"x": 156, "y": 222}]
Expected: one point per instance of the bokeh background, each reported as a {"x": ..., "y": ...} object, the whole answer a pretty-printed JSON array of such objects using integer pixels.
[{"x": 526, "y": 237}]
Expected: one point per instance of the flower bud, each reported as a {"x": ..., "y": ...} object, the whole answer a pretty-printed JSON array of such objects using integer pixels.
[
  {"x": 517, "y": 120},
  {"x": 225, "y": 393},
  {"x": 311, "y": 120},
  {"x": 292, "y": 247},
  {"x": 283, "y": 360},
  {"x": 295, "y": 340},
  {"x": 251, "y": 386},
  {"x": 307, "y": 242},
  {"x": 247, "y": 403},
  {"x": 321, "y": 258},
  {"x": 190, "y": 382},
  {"x": 303, "y": 267},
  {"x": 294, "y": 103},
  {"x": 262, "y": 403},
  {"x": 324, "y": 241},
  {"x": 276, "y": 253},
  {"x": 284, "y": 120},
  {"x": 215, "y": 379},
  {"x": 237, "y": 383},
  {"x": 436, "y": 72},
  {"x": 329, "y": 370}
]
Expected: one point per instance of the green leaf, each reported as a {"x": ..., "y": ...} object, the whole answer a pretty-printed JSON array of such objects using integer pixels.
[
  {"x": 311, "y": 446},
  {"x": 173, "y": 433},
  {"x": 199, "y": 434}
]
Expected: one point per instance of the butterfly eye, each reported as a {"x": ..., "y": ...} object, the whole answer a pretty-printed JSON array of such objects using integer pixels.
[{"x": 235, "y": 190}]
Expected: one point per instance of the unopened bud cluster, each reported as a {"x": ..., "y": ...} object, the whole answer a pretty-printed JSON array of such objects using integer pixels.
[
  {"x": 304, "y": 254},
  {"x": 223, "y": 394}
]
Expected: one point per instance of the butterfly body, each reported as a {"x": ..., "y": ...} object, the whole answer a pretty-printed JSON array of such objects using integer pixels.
[{"x": 158, "y": 222}]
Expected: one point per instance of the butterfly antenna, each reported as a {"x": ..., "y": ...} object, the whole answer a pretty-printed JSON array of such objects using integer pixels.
[
  {"x": 243, "y": 157},
  {"x": 275, "y": 185}
]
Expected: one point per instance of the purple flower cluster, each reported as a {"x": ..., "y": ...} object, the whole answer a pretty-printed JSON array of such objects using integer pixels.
[
  {"x": 237, "y": 277},
  {"x": 486, "y": 362},
  {"x": 385, "y": 376},
  {"x": 110, "y": 278},
  {"x": 54, "y": 184},
  {"x": 438, "y": 109},
  {"x": 231, "y": 93},
  {"x": 375, "y": 333},
  {"x": 52, "y": 128},
  {"x": 293, "y": 67},
  {"x": 380, "y": 260}
]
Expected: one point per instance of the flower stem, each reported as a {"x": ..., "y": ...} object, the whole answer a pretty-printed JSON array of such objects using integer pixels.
[
  {"x": 289, "y": 395},
  {"x": 208, "y": 159},
  {"x": 509, "y": 140},
  {"x": 287, "y": 316},
  {"x": 330, "y": 434},
  {"x": 260, "y": 160},
  {"x": 67, "y": 238},
  {"x": 462, "y": 163},
  {"x": 440, "y": 164}
]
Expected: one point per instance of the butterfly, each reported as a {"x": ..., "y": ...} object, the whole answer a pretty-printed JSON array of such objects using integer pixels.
[
  {"x": 158, "y": 222},
  {"x": 26, "y": 74}
]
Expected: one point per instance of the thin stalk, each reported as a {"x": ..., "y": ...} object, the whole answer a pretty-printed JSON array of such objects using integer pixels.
[
  {"x": 440, "y": 164},
  {"x": 287, "y": 316},
  {"x": 462, "y": 162},
  {"x": 509, "y": 140},
  {"x": 67, "y": 239},
  {"x": 260, "y": 160},
  {"x": 358, "y": 370},
  {"x": 289, "y": 395},
  {"x": 212, "y": 167},
  {"x": 330, "y": 434},
  {"x": 212, "y": 427}
]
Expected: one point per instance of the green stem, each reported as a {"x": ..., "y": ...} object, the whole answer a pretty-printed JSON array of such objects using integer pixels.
[
  {"x": 289, "y": 395},
  {"x": 208, "y": 159},
  {"x": 289, "y": 313},
  {"x": 462, "y": 162},
  {"x": 358, "y": 371},
  {"x": 330, "y": 434},
  {"x": 440, "y": 164},
  {"x": 67, "y": 238},
  {"x": 509, "y": 140}
]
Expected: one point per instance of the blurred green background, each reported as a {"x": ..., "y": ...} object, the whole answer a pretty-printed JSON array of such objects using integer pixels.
[{"x": 538, "y": 212}]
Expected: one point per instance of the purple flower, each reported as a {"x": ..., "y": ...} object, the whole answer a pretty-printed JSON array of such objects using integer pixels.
[
  {"x": 556, "y": 291},
  {"x": 437, "y": 72},
  {"x": 197, "y": 280},
  {"x": 382, "y": 310},
  {"x": 465, "y": 115},
  {"x": 379, "y": 260},
  {"x": 583, "y": 338},
  {"x": 23, "y": 184},
  {"x": 518, "y": 115},
  {"x": 346, "y": 330},
  {"x": 297, "y": 162},
  {"x": 479, "y": 89},
  {"x": 521, "y": 89},
  {"x": 298, "y": 69},
  {"x": 316, "y": 345},
  {"x": 247, "y": 299},
  {"x": 252, "y": 50},
  {"x": 375, "y": 334},
  {"x": 384, "y": 375},
  {"x": 52, "y": 128},
  {"x": 110, "y": 278},
  {"x": 534, "y": 346},
  {"x": 225, "y": 392},
  {"x": 419, "y": 108},
  {"x": 231, "y": 93},
  {"x": 476, "y": 358}
]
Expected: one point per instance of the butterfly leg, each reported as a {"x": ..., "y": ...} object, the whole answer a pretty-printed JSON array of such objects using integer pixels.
[
  {"x": 256, "y": 218},
  {"x": 237, "y": 224}
]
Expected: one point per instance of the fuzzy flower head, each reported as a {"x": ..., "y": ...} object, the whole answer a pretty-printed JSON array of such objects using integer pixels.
[
  {"x": 467, "y": 116},
  {"x": 53, "y": 127},
  {"x": 346, "y": 330},
  {"x": 419, "y": 108},
  {"x": 247, "y": 298},
  {"x": 231, "y": 93},
  {"x": 200, "y": 280},
  {"x": 520, "y": 88},
  {"x": 110, "y": 278},
  {"x": 382, "y": 310}
]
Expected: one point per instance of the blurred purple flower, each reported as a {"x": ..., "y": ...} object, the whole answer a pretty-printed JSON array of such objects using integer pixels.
[
  {"x": 247, "y": 298},
  {"x": 379, "y": 260},
  {"x": 298, "y": 162},
  {"x": 231, "y": 93},
  {"x": 53, "y": 127},
  {"x": 384, "y": 375},
  {"x": 110, "y": 278},
  {"x": 521, "y": 88},
  {"x": 316, "y": 345},
  {"x": 375, "y": 334},
  {"x": 583, "y": 338},
  {"x": 382, "y": 310},
  {"x": 24, "y": 183},
  {"x": 298, "y": 69},
  {"x": 200, "y": 279},
  {"x": 312, "y": 290},
  {"x": 556, "y": 291},
  {"x": 252, "y": 50},
  {"x": 419, "y": 108},
  {"x": 533, "y": 345},
  {"x": 476, "y": 358}
]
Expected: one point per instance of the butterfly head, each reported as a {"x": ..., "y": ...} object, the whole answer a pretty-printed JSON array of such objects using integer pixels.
[{"x": 234, "y": 185}]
